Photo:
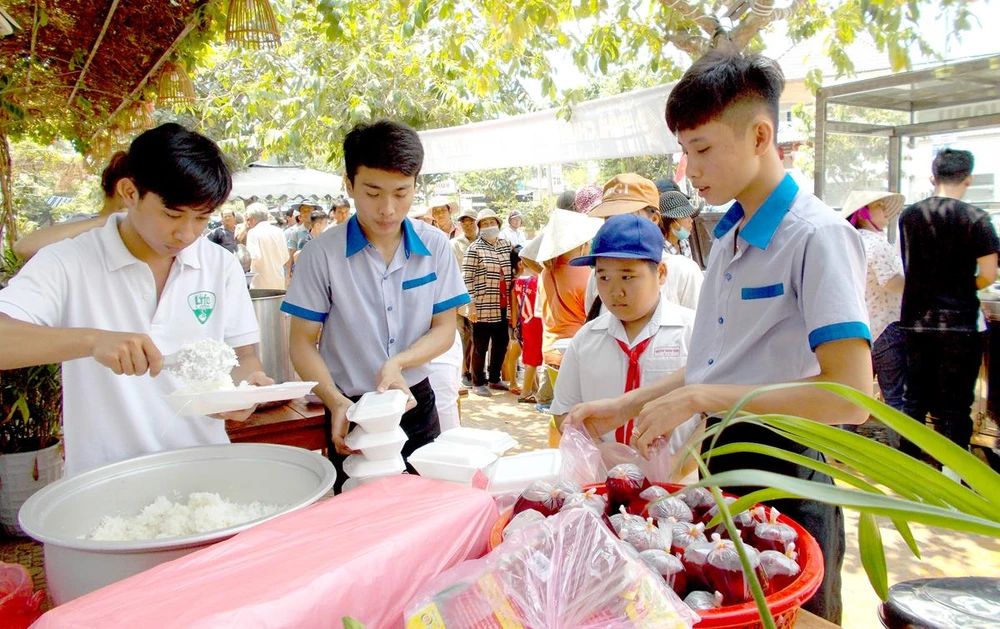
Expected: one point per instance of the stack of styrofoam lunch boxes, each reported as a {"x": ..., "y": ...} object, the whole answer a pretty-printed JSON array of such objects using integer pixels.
[{"x": 377, "y": 437}]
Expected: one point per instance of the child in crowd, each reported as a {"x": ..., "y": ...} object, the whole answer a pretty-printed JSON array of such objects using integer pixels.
[
  {"x": 640, "y": 339},
  {"x": 527, "y": 326}
]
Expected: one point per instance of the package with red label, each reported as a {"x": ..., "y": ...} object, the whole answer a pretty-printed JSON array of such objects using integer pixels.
[{"x": 566, "y": 572}]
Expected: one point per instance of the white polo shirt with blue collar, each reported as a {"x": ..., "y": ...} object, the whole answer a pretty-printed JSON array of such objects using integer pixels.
[
  {"x": 791, "y": 280},
  {"x": 94, "y": 281},
  {"x": 371, "y": 311}
]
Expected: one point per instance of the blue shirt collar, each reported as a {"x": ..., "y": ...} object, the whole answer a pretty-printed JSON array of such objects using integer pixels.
[
  {"x": 356, "y": 239},
  {"x": 760, "y": 229}
]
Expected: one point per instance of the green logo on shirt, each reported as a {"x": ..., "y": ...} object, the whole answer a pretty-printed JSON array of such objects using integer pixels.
[{"x": 202, "y": 304}]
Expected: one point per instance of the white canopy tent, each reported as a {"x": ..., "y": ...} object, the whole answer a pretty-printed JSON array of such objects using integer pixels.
[
  {"x": 626, "y": 125},
  {"x": 267, "y": 181}
]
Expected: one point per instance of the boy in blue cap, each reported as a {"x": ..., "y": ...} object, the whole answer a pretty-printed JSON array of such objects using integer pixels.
[
  {"x": 783, "y": 298},
  {"x": 639, "y": 340}
]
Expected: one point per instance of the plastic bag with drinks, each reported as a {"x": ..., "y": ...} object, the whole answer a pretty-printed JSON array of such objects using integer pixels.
[{"x": 568, "y": 571}]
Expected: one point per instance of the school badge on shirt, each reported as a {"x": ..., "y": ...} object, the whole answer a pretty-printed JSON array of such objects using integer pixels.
[{"x": 202, "y": 304}]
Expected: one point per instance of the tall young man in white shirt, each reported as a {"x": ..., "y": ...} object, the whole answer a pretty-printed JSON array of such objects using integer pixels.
[
  {"x": 110, "y": 303},
  {"x": 783, "y": 299}
]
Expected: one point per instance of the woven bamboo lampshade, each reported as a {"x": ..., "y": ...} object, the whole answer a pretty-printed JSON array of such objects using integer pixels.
[
  {"x": 251, "y": 23},
  {"x": 175, "y": 85},
  {"x": 136, "y": 119},
  {"x": 99, "y": 152}
]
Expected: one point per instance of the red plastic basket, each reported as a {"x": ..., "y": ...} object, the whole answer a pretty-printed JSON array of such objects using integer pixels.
[{"x": 784, "y": 604}]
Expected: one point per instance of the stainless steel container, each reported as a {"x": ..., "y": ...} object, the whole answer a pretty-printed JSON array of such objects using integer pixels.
[
  {"x": 62, "y": 514},
  {"x": 273, "y": 334}
]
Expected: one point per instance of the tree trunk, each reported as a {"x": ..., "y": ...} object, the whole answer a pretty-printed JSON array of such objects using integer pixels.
[{"x": 8, "y": 225}]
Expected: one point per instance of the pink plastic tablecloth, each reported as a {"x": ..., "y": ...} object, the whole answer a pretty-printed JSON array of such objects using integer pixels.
[{"x": 363, "y": 554}]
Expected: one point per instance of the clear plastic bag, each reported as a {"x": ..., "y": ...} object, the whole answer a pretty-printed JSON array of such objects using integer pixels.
[
  {"x": 586, "y": 462},
  {"x": 568, "y": 572}
]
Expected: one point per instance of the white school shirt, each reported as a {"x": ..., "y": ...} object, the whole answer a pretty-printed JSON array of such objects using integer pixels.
[
  {"x": 93, "y": 281},
  {"x": 594, "y": 366},
  {"x": 796, "y": 282}
]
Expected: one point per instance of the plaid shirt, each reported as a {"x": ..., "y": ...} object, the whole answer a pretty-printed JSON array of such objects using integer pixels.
[{"x": 481, "y": 271}]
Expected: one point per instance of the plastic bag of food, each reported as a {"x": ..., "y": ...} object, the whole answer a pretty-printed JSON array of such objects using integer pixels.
[
  {"x": 586, "y": 462},
  {"x": 568, "y": 572}
]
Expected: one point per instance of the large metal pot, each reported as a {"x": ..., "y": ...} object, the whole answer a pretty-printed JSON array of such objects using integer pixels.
[
  {"x": 273, "y": 324},
  {"x": 62, "y": 514}
]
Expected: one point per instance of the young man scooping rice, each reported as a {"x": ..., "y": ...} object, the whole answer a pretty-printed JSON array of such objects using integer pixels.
[{"x": 110, "y": 303}]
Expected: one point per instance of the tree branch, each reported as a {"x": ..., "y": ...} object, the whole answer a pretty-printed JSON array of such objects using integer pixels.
[
  {"x": 754, "y": 21},
  {"x": 693, "y": 45},
  {"x": 705, "y": 22}
]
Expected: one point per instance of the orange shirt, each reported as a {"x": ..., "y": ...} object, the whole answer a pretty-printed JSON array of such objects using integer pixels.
[{"x": 562, "y": 291}]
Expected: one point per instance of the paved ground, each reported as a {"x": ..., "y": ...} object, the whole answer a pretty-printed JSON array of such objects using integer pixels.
[{"x": 943, "y": 553}]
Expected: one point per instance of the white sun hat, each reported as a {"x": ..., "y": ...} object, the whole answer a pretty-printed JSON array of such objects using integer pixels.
[
  {"x": 564, "y": 232},
  {"x": 858, "y": 199}
]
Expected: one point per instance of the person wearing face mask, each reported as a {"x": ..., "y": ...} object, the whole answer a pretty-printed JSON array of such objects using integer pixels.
[
  {"x": 677, "y": 215},
  {"x": 870, "y": 213},
  {"x": 487, "y": 274}
]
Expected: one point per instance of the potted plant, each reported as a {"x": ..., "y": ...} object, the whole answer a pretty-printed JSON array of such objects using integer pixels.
[
  {"x": 30, "y": 427},
  {"x": 873, "y": 479}
]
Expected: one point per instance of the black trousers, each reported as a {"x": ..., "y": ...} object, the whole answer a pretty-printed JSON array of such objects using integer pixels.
[
  {"x": 465, "y": 331},
  {"x": 420, "y": 424},
  {"x": 941, "y": 380},
  {"x": 492, "y": 338}
]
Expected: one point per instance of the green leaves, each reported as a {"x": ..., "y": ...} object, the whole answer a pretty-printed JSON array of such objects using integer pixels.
[
  {"x": 350, "y": 623},
  {"x": 873, "y": 554},
  {"x": 881, "y": 481}
]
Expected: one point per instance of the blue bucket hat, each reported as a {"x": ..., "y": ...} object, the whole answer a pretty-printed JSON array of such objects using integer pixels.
[{"x": 627, "y": 237}]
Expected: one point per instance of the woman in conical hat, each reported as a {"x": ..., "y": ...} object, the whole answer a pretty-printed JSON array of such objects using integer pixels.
[{"x": 871, "y": 212}]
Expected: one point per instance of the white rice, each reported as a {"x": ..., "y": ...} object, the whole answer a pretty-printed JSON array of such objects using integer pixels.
[
  {"x": 163, "y": 518},
  {"x": 205, "y": 366}
]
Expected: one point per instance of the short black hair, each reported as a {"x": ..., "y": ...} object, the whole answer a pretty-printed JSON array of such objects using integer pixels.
[
  {"x": 383, "y": 145},
  {"x": 953, "y": 166},
  {"x": 515, "y": 256},
  {"x": 719, "y": 81},
  {"x": 567, "y": 200},
  {"x": 182, "y": 167},
  {"x": 116, "y": 170},
  {"x": 340, "y": 202}
]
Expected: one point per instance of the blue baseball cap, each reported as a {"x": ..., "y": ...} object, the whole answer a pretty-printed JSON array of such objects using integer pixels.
[{"x": 627, "y": 237}]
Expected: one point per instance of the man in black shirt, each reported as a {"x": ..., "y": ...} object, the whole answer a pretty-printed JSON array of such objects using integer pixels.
[
  {"x": 949, "y": 252},
  {"x": 225, "y": 235}
]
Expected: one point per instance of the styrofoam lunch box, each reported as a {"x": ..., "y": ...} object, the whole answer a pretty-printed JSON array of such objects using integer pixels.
[
  {"x": 377, "y": 446},
  {"x": 496, "y": 441},
  {"x": 451, "y": 461},
  {"x": 515, "y": 473},
  {"x": 357, "y": 466},
  {"x": 378, "y": 412}
]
